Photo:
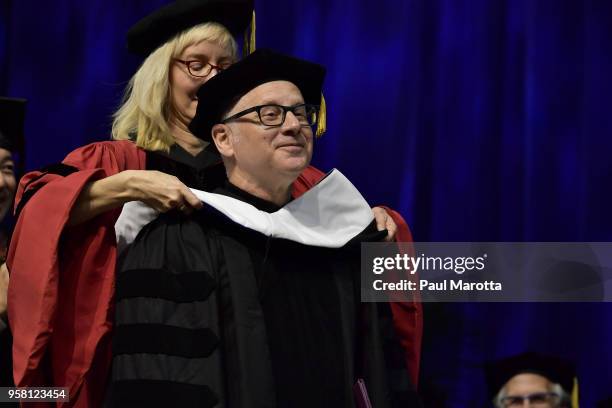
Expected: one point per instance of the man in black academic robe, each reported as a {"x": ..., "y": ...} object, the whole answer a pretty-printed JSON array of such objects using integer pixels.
[{"x": 253, "y": 301}]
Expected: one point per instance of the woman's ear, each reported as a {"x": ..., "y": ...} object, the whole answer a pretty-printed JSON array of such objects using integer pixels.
[{"x": 221, "y": 135}]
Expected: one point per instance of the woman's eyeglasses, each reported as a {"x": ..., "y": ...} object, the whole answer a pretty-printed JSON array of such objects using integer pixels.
[{"x": 201, "y": 69}]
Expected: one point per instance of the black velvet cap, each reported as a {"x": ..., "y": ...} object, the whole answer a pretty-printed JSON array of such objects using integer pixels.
[
  {"x": 219, "y": 93},
  {"x": 555, "y": 369},
  {"x": 154, "y": 30},
  {"x": 12, "y": 116}
]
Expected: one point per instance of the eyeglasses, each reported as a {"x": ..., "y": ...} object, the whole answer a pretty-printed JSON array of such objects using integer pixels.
[
  {"x": 201, "y": 69},
  {"x": 537, "y": 400},
  {"x": 274, "y": 115}
]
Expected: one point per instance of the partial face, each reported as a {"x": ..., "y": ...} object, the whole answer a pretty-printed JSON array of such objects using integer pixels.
[
  {"x": 8, "y": 184},
  {"x": 184, "y": 86},
  {"x": 269, "y": 151},
  {"x": 529, "y": 384}
]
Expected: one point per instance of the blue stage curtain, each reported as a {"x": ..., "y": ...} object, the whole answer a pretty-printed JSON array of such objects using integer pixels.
[{"x": 479, "y": 120}]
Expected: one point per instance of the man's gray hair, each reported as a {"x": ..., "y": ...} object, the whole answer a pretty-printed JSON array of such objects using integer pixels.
[{"x": 565, "y": 401}]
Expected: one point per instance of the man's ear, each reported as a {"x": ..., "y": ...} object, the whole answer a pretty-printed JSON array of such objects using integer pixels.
[{"x": 221, "y": 135}]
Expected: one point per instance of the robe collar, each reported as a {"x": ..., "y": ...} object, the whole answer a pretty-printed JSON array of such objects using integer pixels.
[{"x": 231, "y": 190}]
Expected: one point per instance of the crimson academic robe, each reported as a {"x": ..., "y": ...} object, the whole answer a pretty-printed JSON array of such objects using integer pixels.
[{"x": 62, "y": 278}]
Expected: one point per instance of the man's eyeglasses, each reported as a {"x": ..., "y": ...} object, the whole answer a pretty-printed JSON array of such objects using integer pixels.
[
  {"x": 536, "y": 400},
  {"x": 274, "y": 115},
  {"x": 201, "y": 69}
]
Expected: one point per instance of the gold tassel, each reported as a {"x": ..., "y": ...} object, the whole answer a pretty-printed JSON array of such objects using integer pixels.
[
  {"x": 322, "y": 123},
  {"x": 252, "y": 39},
  {"x": 249, "y": 38},
  {"x": 575, "y": 393}
]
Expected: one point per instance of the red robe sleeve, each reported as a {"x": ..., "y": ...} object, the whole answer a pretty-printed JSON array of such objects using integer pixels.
[
  {"x": 62, "y": 278},
  {"x": 407, "y": 314}
]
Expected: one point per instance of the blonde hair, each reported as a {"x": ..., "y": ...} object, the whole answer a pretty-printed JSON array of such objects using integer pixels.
[{"x": 145, "y": 107}]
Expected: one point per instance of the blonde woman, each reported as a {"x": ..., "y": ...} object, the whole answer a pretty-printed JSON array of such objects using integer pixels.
[{"x": 63, "y": 252}]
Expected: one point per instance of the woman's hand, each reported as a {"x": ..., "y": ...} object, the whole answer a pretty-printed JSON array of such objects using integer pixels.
[
  {"x": 384, "y": 221},
  {"x": 160, "y": 191}
]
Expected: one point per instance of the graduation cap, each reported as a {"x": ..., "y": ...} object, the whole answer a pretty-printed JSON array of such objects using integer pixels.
[
  {"x": 149, "y": 33},
  {"x": 556, "y": 370},
  {"x": 12, "y": 117},
  {"x": 219, "y": 93}
]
